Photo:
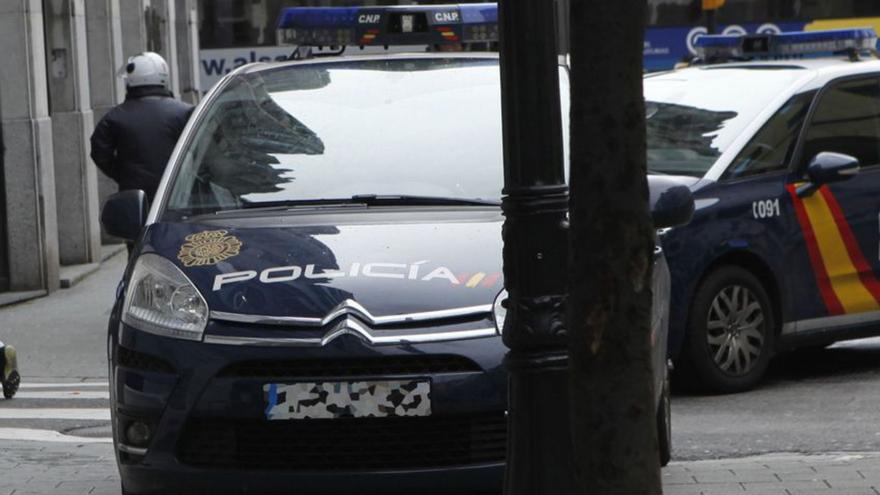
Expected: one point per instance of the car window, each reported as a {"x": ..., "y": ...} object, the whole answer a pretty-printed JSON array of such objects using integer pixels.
[
  {"x": 846, "y": 120},
  {"x": 694, "y": 115},
  {"x": 772, "y": 147},
  {"x": 325, "y": 131}
]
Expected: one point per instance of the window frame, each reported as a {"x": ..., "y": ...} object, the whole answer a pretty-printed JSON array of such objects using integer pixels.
[
  {"x": 786, "y": 167},
  {"x": 798, "y": 166}
]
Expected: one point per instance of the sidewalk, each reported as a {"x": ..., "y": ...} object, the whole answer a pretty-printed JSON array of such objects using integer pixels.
[
  {"x": 778, "y": 474},
  {"x": 49, "y": 469},
  {"x": 59, "y": 469},
  {"x": 63, "y": 337}
]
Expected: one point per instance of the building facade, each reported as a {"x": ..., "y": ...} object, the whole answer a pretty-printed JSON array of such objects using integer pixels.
[{"x": 62, "y": 60}]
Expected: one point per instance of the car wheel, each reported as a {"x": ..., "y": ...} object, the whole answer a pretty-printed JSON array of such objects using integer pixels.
[
  {"x": 664, "y": 425},
  {"x": 731, "y": 332}
]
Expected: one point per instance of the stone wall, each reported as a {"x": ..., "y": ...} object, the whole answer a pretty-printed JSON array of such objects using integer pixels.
[{"x": 66, "y": 55}]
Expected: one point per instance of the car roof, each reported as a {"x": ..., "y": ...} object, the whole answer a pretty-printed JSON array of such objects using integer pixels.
[
  {"x": 822, "y": 69},
  {"x": 340, "y": 59}
]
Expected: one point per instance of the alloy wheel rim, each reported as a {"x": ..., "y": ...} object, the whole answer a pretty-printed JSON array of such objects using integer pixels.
[{"x": 735, "y": 330}]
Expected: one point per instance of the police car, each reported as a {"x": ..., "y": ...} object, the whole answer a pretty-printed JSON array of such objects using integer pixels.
[
  {"x": 778, "y": 136},
  {"x": 314, "y": 304}
]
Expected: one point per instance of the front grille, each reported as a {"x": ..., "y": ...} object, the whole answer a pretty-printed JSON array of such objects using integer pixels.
[
  {"x": 140, "y": 361},
  {"x": 377, "y": 366},
  {"x": 344, "y": 444}
]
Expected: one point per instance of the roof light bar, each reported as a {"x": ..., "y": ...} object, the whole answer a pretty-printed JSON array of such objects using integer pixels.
[
  {"x": 387, "y": 26},
  {"x": 786, "y": 45}
]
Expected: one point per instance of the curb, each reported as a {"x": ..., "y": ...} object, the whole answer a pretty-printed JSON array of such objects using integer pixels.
[
  {"x": 782, "y": 457},
  {"x": 10, "y": 298},
  {"x": 74, "y": 274}
]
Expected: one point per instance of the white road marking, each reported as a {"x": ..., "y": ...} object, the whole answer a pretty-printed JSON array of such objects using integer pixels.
[
  {"x": 64, "y": 385},
  {"x": 47, "y": 436},
  {"x": 66, "y": 394},
  {"x": 95, "y": 414}
]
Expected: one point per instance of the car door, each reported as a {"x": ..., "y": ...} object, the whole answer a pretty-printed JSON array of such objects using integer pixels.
[
  {"x": 754, "y": 220},
  {"x": 757, "y": 180},
  {"x": 839, "y": 221}
]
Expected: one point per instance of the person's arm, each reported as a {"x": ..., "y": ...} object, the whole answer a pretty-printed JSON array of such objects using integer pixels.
[
  {"x": 185, "y": 116},
  {"x": 104, "y": 148}
]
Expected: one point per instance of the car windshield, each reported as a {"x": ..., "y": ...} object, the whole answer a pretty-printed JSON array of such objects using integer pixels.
[
  {"x": 412, "y": 129},
  {"x": 693, "y": 116}
]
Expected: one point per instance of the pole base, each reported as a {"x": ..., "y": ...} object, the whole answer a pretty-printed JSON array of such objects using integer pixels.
[{"x": 539, "y": 446}]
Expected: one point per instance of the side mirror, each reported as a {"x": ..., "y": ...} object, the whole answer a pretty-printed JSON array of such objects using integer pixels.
[
  {"x": 125, "y": 214},
  {"x": 672, "y": 203},
  {"x": 826, "y": 168}
]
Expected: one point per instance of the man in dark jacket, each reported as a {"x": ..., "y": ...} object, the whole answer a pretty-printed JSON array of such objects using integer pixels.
[{"x": 133, "y": 142}]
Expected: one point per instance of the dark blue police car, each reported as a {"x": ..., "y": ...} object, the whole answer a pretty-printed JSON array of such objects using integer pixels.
[
  {"x": 314, "y": 303},
  {"x": 778, "y": 136}
]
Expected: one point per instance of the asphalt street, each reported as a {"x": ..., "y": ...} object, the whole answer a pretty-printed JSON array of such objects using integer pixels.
[
  {"x": 55, "y": 433},
  {"x": 814, "y": 401}
]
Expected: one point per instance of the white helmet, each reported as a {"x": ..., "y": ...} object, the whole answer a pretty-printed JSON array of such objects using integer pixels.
[{"x": 145, "y": 69}]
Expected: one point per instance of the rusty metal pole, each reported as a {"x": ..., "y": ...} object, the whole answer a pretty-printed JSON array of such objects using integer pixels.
[{"x": 535, "y": 205}]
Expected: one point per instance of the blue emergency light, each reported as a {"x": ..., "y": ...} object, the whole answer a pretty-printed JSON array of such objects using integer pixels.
[
  {"x": 853, "y": 42},
  {"x": 389, "y": 26}
]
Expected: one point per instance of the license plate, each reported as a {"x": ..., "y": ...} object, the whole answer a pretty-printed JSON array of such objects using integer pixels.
[
  {"x": 407, "y": 23},
  {"x": 332, "y": 400}
]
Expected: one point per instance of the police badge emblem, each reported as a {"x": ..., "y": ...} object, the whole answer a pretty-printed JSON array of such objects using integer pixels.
[{"x": 208, "y": 248}]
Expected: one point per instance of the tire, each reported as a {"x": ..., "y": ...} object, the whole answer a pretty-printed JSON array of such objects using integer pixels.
[
  {"x": 664, "y": 425},
  {"x": 731, "y": 332}
]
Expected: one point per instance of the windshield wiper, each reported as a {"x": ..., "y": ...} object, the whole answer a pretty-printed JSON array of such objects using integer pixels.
[
  {"x": 408, "y": 200},
  {"x": 359, "y": 200}
]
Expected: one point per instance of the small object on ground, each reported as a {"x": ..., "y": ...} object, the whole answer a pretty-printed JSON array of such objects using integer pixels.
[{"x": 9, "y": 364}]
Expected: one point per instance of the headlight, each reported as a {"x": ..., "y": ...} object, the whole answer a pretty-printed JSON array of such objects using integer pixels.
[
  {"x": 161, "y": 300},
  {"x": 499, "y": 311}
]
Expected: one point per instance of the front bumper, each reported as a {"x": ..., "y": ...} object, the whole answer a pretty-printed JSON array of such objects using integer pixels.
[{"x": 206, "y": 407}]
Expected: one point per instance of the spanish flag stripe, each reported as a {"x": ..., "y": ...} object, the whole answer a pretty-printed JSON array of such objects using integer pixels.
[
  {"x": 475, "y": 280},
  {"x": 832, "y": 303},
  {"x": 491, "y": 280},
  {"x": 866, "y": 273},
  {"x": 836, "y": 257}
]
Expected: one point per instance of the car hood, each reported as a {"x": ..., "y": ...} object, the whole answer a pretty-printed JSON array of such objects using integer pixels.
[{"x": 385, "y": 263}]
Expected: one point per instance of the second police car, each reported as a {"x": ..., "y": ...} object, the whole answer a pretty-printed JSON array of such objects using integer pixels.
[
  {"x": 315, "y": 302},
  {"x": 780, "y": 138}
]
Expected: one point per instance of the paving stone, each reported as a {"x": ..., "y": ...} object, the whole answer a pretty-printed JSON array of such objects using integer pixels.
[
  {"x": 756, "y": 489},
  {"x": 848, "y": 474},
  {"x": 749, "y": 476},
  {"x": 682, "y": 490},
  {"x": 715, "y": 475},
  {"x": 842, "y": 491},
  {"x": 722, "y": 487},
  {"x": 678, "y": 478}
]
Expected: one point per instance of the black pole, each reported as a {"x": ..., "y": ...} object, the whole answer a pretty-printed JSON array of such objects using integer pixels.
[
  {"x": 535, "y": 235},
  {"x": 711, "y": 23},
  {"x": 563, "y": 26}
]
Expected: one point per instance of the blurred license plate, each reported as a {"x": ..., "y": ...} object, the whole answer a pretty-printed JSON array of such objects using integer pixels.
[
  {"x": 407, "y": 23},
  {"x": 331, "y": 400}
]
